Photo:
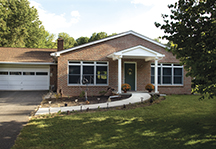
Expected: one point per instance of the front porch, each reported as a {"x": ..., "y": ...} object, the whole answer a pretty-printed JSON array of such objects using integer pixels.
[{"x": 137, "y": 52}]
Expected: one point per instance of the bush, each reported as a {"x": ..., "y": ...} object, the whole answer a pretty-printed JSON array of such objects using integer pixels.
[
  {"x": 149, "y": 87},
  {"x": 125, "y": 87}
]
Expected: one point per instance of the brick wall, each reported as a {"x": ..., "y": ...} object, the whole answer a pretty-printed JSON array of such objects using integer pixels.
[
  {"x": 53, "y": 77},
  {"x": 99, "y": 52}
]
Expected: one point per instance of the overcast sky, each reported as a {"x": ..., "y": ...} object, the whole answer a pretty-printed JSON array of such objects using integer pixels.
[{"x": 84, "y": 17}]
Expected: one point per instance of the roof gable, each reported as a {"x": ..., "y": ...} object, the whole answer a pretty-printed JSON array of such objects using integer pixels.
[
  {"x": 56, "y": 54},
  {"x": 137, "y": 52}
]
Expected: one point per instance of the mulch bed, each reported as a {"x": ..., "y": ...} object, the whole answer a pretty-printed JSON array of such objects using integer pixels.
[{"x": 61, "y": 102}]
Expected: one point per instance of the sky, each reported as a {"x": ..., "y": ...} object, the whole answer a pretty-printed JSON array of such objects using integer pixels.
[{"x": 84, "y": 17}]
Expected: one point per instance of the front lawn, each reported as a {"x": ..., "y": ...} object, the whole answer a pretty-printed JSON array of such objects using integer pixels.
[{"x": 180, "y": 121}]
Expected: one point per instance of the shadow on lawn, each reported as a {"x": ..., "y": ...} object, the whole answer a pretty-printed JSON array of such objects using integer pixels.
[{"x": 122, "y": 131}]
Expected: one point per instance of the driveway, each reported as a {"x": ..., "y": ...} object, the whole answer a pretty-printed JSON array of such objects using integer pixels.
[{"x": 15, "y": 109}]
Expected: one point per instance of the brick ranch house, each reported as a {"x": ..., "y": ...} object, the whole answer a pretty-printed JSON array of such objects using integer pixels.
[{"x": 127, "y": 57}]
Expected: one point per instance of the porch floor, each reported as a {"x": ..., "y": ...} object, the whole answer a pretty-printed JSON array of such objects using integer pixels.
[{"x": 135, "y": 98}]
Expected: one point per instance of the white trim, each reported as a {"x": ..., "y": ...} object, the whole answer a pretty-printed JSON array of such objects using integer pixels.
[
  {"x": 168, "y": 85},
  {"x": 57, "y": 54},
  {"x": 128, "y": 62},
  {"x": 156, "y": 76},
  {"x": 141, "y": 47},
  {"x": 119, "y": 74},
  {"x": 28, "y": 63}
]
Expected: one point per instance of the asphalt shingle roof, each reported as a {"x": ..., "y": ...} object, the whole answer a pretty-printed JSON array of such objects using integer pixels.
[{"x": 8, "y": 54}]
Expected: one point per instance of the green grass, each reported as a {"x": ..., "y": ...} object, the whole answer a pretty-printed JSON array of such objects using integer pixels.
[{"x": 180, "y": 121}]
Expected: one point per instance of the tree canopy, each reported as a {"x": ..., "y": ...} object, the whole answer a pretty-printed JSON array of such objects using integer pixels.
[
  {"x": 82, "y": 40},
  {"x": 69, "y": 42},
  {"x": 20, "y": 26},
  {"x": 191, "y": 28}
]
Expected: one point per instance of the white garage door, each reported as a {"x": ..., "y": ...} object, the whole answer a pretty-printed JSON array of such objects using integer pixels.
[{"x": 24, "y": 78}]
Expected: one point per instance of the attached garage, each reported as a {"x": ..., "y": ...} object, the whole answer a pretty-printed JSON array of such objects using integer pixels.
[{"x": 24, "y": 77}]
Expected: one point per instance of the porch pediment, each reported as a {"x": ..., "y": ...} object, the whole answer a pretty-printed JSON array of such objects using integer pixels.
[{"x": 137, "y": 52}]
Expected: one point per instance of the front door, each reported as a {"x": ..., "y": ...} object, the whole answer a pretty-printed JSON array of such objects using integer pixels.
[{"x": 130, "y": 75}]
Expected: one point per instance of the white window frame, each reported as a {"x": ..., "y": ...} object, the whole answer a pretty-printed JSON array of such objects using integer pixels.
[
  {"x": 81, "y": 64},
  {"x": 172, "y": 66}
]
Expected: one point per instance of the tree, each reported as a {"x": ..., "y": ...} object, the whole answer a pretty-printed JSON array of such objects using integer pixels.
[
  {"x": 81, "y": 40},
  {"x": 192, "y": 29},
  {"x": 69, "y": 42},
  {"x": 43, "y": 40},
  {"x": 19, "y": 24},
  {"x": 157, "y": 39},
  {"x": 98, "y": 36}
]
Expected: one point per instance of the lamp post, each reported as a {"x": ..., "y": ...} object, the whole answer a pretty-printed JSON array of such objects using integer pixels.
[
  {"x": 141, "y": 99},
  {"x": 49, "y": 106}
]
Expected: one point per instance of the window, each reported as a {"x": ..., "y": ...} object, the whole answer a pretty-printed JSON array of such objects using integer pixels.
[
  {"x": 92, "y": 73},
  {"x": 28, "y": 73},
  {"x": 15, "y": 73},
  {"x": 101, "y": 77},
  {"x": 152, "y": 75},
  {"x": 74, "y": 74},
  {"x": 168, "y": 74},
  {"x": 178, "y": 76},
  {"x": 41, "y": 73},
  {"x": 3, "y": 73},
  {"x": 88, "y": 75}
]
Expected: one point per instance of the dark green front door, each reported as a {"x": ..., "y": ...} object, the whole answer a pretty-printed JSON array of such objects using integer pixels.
[{"x": 130, "y": 74}]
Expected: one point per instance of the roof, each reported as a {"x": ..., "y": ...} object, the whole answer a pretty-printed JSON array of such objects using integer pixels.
[
  {"x": 25, "y": 55},
  {"x": 56, "y": 54}
]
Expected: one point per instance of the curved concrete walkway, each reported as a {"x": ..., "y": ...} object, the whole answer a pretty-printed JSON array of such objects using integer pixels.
[{"x": 136, "y": 97}]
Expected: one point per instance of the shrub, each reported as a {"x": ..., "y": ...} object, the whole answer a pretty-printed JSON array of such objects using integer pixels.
[
  {"x": 82, "y": 94},
  {"x": 125, "y": 87},
  {"x": 149, "y": 87},
  {"x": 102, "y": 93}
]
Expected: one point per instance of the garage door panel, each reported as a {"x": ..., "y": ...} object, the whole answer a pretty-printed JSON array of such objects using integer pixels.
[
  {"x": 14, "y": 87},
  {"x": 3, "y": 87},
  {"x": 14, "y": 78},
  {"x": 3, "y": 82},
  {"x": 41, "y": 83},
  {"x": 28, "y": 87},
  {"x": 15, "y": 82},
  {"x": 41, "y": 87}
]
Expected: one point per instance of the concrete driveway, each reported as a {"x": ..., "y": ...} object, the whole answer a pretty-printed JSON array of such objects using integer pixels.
[{"x": 15, "y": 109}]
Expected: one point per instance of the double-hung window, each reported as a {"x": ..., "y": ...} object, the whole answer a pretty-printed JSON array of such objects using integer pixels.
[
  {"x": 168, "y": 74},
  {"x": 92, "y": 73}
]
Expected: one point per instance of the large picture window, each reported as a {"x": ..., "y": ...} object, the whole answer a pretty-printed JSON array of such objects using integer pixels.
[
  {"x": 92, "y": 73},
  {"x": 168, "y": 74}
]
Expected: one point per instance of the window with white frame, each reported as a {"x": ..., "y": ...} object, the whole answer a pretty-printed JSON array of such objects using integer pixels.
[
  {"x": 83, "y": 72},
  {"x": 168, "y": 74}
]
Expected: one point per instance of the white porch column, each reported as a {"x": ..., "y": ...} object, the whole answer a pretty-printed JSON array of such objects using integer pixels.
[
  {"x": 119, "y": 73},
  {"x": 156, "y": 75}
]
